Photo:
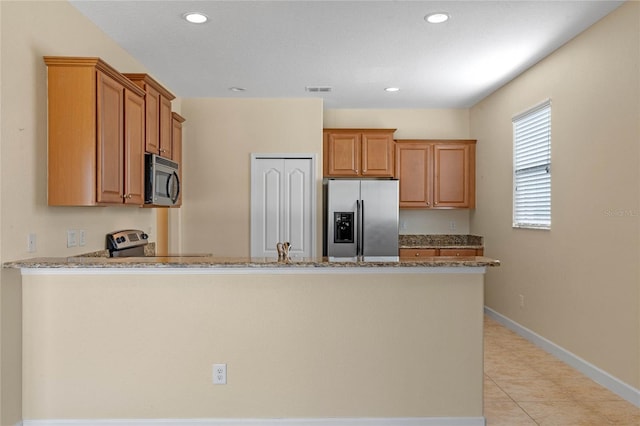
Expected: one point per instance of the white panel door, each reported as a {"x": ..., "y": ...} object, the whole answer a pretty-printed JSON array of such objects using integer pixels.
[{"x": 282, "y": 206}]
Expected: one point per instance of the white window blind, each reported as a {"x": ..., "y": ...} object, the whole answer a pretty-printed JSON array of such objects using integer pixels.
[{"x": 532, "y": 168}]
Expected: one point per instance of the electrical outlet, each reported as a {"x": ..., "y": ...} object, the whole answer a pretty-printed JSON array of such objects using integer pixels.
[
  {"x": 31, "y": 243},
  {"x": 521, "y": 301},
  {"x": 82, "y": 238},
  {"x": 219, "y": 374},
  {"x": 72, "y": 238},
  {"x": 452, "y": 225}
]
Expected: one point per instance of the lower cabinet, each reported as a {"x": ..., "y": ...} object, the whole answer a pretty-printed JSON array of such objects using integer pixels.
[
  {"x": 411, "y": 252},
  {"x": 460, "y": 252},
  {"x": 418, "y": 252}
]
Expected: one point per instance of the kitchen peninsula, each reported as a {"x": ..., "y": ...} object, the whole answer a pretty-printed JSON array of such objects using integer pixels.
[{"x": 305, "y": 339}]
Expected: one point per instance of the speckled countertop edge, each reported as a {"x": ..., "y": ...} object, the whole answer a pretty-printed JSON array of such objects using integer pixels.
[
  {"x": 219, "y": 262},
  {"x": 101, "y": 259}
]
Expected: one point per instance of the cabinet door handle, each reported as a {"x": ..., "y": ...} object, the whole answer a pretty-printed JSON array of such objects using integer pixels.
[{"x": 417, "y": 254}]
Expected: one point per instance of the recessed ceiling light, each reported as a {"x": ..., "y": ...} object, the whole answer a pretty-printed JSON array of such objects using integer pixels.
[
  {"x": 237, "y": 89},
  {"x": 196, "y": 17},
  {"x": 437, "y": 18},
  {"x": 392, "y": 89}
]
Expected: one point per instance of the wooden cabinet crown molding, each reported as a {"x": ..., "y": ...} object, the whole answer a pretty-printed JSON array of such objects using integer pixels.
[
  {"x": 178, "y": 117},
  {"x": 438, "y": 141},
  {"x": 98, "y": 64},
  {"x": 356, "y": 130},
  {"x": 141, "y": 79}
]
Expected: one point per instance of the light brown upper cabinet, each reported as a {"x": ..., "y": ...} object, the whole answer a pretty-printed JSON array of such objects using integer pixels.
[
  {"x": 95, "y": 134},
  {"x": 358, "y": 152},
  {"x": 436, "y": 173},
  {"x": 159, "y": 122},
  {"x": 176, "y": 141}
]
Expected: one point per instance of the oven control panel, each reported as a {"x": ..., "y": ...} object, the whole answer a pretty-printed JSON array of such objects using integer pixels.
[{"x": 127, "y": 238}]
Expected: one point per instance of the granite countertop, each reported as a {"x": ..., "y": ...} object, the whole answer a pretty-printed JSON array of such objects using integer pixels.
[
  {"x": 101, "y": 259},
  {"x": 80, "y": 262},
  {"x": 440, "y": 241}
]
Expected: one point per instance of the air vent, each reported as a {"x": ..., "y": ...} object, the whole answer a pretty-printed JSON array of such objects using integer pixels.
[{"x": 316, "y": 89}]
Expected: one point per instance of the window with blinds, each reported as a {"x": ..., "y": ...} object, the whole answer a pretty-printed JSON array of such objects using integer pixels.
[{"x": 532, "y": 168}]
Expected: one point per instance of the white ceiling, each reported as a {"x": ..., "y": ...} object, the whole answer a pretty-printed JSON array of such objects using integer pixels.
[{"x": 277, "y": 48}]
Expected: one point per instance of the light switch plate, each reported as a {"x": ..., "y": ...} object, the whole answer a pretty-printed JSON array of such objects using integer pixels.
[{"x": 72, "y": 238}]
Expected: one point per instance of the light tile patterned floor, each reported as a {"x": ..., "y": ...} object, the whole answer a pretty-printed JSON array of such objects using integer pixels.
[{"x": 524, "y": 385}]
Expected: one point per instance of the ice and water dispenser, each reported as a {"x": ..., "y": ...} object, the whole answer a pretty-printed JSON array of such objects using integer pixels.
[{"x": 344, "y": 227}]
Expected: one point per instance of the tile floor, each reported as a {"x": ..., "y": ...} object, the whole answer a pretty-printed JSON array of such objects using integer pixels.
[{"x": 524, "y": 385}]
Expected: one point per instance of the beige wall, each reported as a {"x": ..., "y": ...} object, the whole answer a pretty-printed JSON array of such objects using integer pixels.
[
  {"x": 580, "y": 280},
  {"x": 411, "y": 123},
  {"x": 29, "y": 30},
  {"x": 295, "y": 345},
  {"x": 414, "y": 124},
  {"x": 221, "y": 134}
]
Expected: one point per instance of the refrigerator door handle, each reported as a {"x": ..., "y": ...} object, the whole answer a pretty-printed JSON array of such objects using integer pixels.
[
  {"x": 358, "y": 224},
  {"x": 362, "y": 227}
]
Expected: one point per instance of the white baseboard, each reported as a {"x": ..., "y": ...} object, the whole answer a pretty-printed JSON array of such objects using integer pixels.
[
  {"x": 596, "y": 374},
  {"x": 394, "y": 421}
]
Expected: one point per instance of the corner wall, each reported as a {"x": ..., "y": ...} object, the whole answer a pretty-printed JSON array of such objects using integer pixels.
[
  {"x": 581, "y": 280},
  {"x": 222, "y": 133},
  {"x": 31, "y": 30},
  {"x": 28, "y": 31}
]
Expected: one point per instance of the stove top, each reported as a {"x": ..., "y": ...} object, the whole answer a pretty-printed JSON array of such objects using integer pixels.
[{"x": 127, "y": 243}]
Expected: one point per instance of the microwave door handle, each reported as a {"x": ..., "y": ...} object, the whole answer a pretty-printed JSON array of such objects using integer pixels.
[{"x": 174, "y": 197}]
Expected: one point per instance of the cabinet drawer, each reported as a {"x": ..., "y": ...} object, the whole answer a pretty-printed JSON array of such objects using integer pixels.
[
  {"x": 458, "y": 252},
  {"x": 418, "y": 252}
]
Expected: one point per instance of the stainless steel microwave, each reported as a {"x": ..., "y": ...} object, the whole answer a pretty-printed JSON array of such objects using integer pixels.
[{"x": 162, "y": 181}]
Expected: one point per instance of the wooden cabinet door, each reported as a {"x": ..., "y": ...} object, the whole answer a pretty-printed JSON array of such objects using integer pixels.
[
  {"x": 110, "y": 139},
  {"x": 176, "y": 144},
  {"x": 418, "y": 253},
  {"x": 457, "y": 252},
  {"x": 134, "y": 143},
  {"x": 166, "y": 125},
  {"x": 342, "y": 154},
  {"x": 377, "y": 155},
  {"x": 152, "y": 124},
  {"x": 414, "y": 171},
  {"x": 454, "y": 178}
]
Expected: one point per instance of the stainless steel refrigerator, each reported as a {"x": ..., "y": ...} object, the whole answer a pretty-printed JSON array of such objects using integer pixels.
[{"x": 362, "y": 219}]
